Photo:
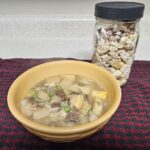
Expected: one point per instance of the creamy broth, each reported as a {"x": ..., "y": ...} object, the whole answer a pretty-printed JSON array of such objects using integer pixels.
[{"x": 65, "y": 100}]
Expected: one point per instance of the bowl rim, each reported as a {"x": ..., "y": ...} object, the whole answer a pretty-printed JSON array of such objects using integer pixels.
[{"x": 63, "y": 130}]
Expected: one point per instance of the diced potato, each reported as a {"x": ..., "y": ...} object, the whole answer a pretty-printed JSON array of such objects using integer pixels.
[
  {"x": 43, "y": 95},
  {"x": 41, "y": 113},
  {"x": 62, "y": 113},
  {"x": 97, "y": 108},
  {"x": 77, "y": 101},
  {"x": 102, "y": 95},
  {"x": 55, "y": 116},
  {"x": 67, "y": 92},
  {"x": 85, "y": 108},
  {"x": 85, "y": 89},
  {"x": 26, "y": 107},
  {"x": 69, "y": 77},
  {"x": 74, "y": 88},
  {"x": 65, "y": 83}
]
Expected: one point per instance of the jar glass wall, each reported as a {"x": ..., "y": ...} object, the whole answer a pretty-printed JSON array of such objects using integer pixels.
[{"x": 114, "y": 46}]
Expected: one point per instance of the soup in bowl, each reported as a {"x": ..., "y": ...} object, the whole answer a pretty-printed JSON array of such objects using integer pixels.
[{"x": 64, "y": 101}]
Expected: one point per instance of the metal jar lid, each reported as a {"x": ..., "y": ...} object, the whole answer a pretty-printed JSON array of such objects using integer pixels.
[{"x": 119, "y": 10}]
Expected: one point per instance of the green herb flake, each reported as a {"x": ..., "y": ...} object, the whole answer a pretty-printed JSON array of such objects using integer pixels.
[
  {"x": 67, "y": 109},
  {"x": 50, "y": 94},
  {"x": 34, "y": 96},
  {"x": 58, "y": 87}
]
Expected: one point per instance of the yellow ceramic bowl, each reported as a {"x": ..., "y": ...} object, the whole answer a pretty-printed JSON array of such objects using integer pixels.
[{"x": 63, "y": 134}]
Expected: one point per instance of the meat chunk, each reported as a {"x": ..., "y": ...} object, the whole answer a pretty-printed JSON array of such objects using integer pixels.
[
  {"x": 55, "y": 104},
  {"x": 61, "y": 93},
  {"x": 72, "y": 117}
]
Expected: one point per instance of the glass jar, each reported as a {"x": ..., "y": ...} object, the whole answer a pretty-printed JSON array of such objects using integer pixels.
[{"x": 116, "y": 37}]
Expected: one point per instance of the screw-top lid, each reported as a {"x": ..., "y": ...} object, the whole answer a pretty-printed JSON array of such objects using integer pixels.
[{"x": 119, "y": 10}]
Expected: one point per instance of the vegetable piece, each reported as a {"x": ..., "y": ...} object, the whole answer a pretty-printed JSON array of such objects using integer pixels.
[
  {"x": 77, "y": 101},
  {"x": 41, "y": 113},
  {"x": 67, "y": 93},
  {"x": 55, "y": 98},
  {"x": 69, "y": 77},
  {"x": 64, "y": 103},
  {"x": 43, "y": 95},
  {"x": 67, "y": 109},
  {"x": 102, "y": 95},
  {"x": 54, "y": 116},
  {"x": 83, "y": 81},
  {"x": 97, "y": 108},
  {"x": 65, "y": 83},
  {"x": 85, "y": 108},
  {"x": 27, "y": 112},
  {"x": 26, "y": 107},
  {"x": 63, "y": 114},
  {"x": 74, "y": 88},
  {"x": 85, "y": 90}
]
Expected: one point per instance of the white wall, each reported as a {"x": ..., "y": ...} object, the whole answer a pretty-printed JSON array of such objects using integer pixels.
[{"x": 55, "y": 28}]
